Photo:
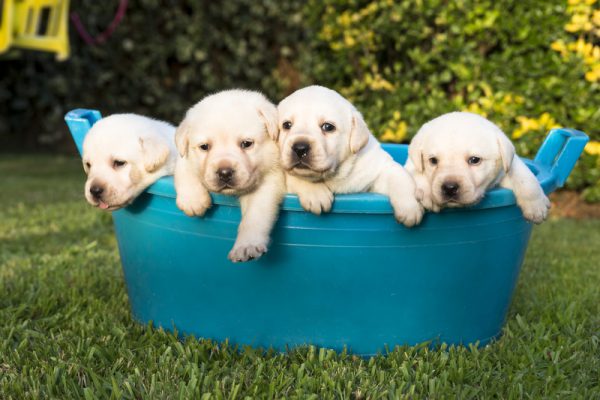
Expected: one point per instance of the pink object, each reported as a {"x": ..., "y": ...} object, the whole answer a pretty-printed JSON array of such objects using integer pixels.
[{"x": 102, "y": 37}]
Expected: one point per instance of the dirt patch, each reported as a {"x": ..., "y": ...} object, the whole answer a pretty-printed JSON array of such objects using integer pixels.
[{"x": 568, "y": 204}]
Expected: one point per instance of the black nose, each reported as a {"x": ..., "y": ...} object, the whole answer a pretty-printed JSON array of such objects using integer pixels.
[
  {"x": 301, "y": 149},
  {"x": 450, "y": 189},
  {"x": 225, "y": 174},
  {"x": 96, "y": 191}
]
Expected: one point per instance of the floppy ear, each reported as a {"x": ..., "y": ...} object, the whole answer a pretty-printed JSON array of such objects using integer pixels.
[
  {"x": 154, "y": 153},
  {"x": 507, "y": 150},
  {"x": 181, "y": 138},
  {"x": 85, "y": 167},
  {"x": 268, "y": 112},
  {"x": 359, "y": 135},
  {"x": 415, "y": 152}
]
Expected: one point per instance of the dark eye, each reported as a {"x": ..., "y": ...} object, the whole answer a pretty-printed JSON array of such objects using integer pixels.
[
  {"x": 286, "y": 125},
  {"x": 433, "y": 161},
  {"x": 204, "y": 146},
  {"x": 474, "y": 160},
  {"x": 327, "y": 127},
  {"x": 118, "y": 163},
  {"x": 88, "y": 165},
  {"x": 246, "y": 144}
]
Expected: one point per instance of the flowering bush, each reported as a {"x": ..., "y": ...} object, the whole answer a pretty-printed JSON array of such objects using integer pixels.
[{"x": 404, "y": 63}]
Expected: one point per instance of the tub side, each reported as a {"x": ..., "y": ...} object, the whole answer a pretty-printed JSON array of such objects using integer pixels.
[{"x": 363, "y": 283}]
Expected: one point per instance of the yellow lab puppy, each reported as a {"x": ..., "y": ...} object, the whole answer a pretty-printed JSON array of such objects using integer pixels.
[
  {"x": 226, "y": 146},
  {"x": 456, "y": 157},
  {"x": 123, "y": 154},
  {"x": 326, "y": 148}
]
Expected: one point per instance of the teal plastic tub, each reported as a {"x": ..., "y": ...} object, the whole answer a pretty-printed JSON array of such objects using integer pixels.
[{"x": 352, "y": 278}]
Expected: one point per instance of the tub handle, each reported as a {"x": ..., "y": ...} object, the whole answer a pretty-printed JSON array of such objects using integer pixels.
[
  {"x": 559, "y": 153},
  {"x": 79, "y": 122}
]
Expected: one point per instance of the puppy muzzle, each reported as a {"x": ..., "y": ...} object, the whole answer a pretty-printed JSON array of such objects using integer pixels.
[
  {"x": 453, "y": 192},
  {"x": 450, "y": 190},
  {"x": 101, "y": 195},
  {"x": 230, "y": 177},
  {"x": 300, "y": 155}
]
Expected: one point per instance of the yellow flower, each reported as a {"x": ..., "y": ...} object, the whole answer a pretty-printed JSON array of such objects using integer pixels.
[
  {"x": 395, "y": 130},
  {"x": 559, "y": 46},
  {"x": 526, "y": 125},
  {"x": 394, "y": 133},
  {"x": 546, "y": 119},
  {"x": 349, "y": 40},
  {"x": 579, "y": 22},
  {"x": 401, "y": 131},
  {"x": 388, "y": 136},
  {"x": 596, "y": 18},
  {"x": 544, "y": 122},
  {"x": 345, "y": 19},
  {"x": 593, "y": 148},
  {"x": 377, "y": 82},
  {"x": 593, "y": 75},
  {"x": 476, "y": 109}
]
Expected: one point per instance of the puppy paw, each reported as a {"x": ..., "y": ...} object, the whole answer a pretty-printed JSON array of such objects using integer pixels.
[
  {"x": 419, "y": 194},
  {"x": 318, "y": 200},
  {"x": 408, "y": 212},
  {"x": 428, "y": 203},
  {"x": 193, "y": 203},
  {"x": 247, "y": 251},
  {"x": 423, "y": 195},
  {"x": 535, "y": 210}
]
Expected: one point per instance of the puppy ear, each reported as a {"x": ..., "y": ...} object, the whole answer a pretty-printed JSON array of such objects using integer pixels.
[
  {"x": 181, "y": 138},
  {"x": 154, "y": 153},
  {"x": 507, "y": 150},
  {"x": 268, "y": 112},
  {"x": 415, "y": 153},
  {"x": 359, "y": 135}
]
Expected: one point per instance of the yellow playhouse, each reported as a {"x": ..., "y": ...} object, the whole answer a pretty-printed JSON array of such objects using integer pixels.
[{"x": 35, "y": 24}]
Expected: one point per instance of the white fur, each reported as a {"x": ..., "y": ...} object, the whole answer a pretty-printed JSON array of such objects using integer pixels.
[
  {"x": 452, "y": 139},
  {"x": 346, "y": 160},
  {"x": 222, "y": 122},
  {"x": 145, "y": 145}
]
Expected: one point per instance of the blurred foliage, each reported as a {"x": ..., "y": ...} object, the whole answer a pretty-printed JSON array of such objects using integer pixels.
[
  {"x": 526, "y": 65},
  {"x": 403, "y": 63},
  {"x": 162, "y": 58}
]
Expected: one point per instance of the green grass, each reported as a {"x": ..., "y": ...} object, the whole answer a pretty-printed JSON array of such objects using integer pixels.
[{"x": 66, "y": 331}]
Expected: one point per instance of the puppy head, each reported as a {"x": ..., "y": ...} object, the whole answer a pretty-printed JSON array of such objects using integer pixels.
[
  {"x": 229, "y": 139},
  {"x": 319, "y": 130},
  {"x": 462, "y": 155},
  {"x": 120, "y": 152}
]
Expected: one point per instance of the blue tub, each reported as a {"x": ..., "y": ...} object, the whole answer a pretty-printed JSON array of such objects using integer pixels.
[{"x": 353, "y": 278}]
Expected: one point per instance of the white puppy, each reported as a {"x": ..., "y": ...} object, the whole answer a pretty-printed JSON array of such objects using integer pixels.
[
  {"x": 226, "y": 146},
  {"x": 326, "y": 148},
  {"x": 456, "y": 157},
  {"x": 123, "y": 154}
]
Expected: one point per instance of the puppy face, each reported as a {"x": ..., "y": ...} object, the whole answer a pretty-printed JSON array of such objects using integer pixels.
[
  {"x": 319, "y": 130},
  {"x": 228, "y": 137},
  {"x": 120, "y": 152},
  {"x": 461, "y": 155}
]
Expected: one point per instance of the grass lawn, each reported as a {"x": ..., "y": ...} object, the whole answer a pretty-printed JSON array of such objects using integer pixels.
[{"x": 66, "y": 331}]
